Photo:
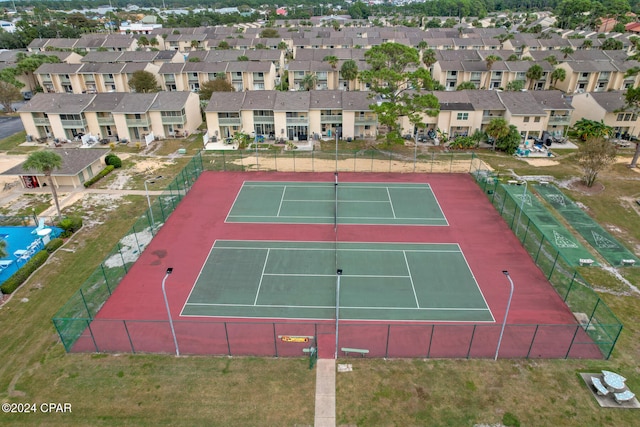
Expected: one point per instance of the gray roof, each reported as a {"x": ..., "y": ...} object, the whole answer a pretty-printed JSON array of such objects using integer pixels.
[
  {"x": 454, "y": 100},
  {"x": 102, "y": 57},
  {"x": 170, "y": 101},
  {"x": 58, "y": 68},
  {"x": 521, "y": 104},
  {"x": 259, "y": 100},
  {"x": 325, "y": 99},
  {"x": 171, "y": 68},
  {"x": 610, "y": 101},
  {"x": 136, "y": 103},
  {"x": 356, "y": 101},
  {"x": 292, "y": 101},
  {"x": 74, "y": 160},
  {"x": 551, "y": 99},
  {"x": 138, "y": 56},
  {"x": 485, "y": 100},
  {"x": 105, "y": 102},
  {"x": 227, "y": 101},
  {"x": 57, "y": 103}
]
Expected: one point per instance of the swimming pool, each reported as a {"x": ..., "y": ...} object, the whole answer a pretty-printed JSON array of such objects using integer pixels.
[{"x": 22, "y": 244}]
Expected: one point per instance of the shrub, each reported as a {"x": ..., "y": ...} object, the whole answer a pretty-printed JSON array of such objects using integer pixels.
[
  {"x": 70, "y": 225},
  {"x": 104, "y": 172},
  {"x": 23, "y": 273},
  {"x": 53, "y": 245},
  {"x": 113, "y": 160}
]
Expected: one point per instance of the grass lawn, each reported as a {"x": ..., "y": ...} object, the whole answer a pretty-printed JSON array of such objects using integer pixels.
[{"x": 110, "y": 390}]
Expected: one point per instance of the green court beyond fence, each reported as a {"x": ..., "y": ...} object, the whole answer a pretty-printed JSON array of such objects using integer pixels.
[
  {"x": 594, "y": 315},
  {"x": 603, "y": 242},
  {"x": 72, "y": 319}
]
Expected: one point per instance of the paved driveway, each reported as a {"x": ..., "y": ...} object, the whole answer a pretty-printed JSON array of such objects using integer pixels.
[{"x": 9, "y": 126}]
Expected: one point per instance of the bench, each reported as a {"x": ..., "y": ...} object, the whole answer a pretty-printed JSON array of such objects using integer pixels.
[
  {"x": 586, "y": 261},
  {"x": 512, "y": 182},
  {"x": 600, "y": 388},
  {"x": 361, "y": 351},
  {"x": 625, "y": 396},
  {"x": 544, "y": 183},
  {"x": 628, "y": 261}
]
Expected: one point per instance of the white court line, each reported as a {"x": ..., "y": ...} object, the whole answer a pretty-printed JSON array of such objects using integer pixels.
[
  {"x": 333, "y": 275},
  {"x": 343, "y": 217},
  {"x": 193, "y": 286},
  {"x": 302, "y": 248},
  {"x": 284, "y": 190},
  {"x": 203, "y": 304},
  {"x": 404, "y": 253},
  {"x": 234, "y": 203},
  {"x": 264, "y": 266},
  {"x": 393, "y": 211},
  {"x": 476, "y": 282}
]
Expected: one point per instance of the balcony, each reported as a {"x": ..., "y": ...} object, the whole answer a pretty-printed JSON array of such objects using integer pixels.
[
  {"x": 138, "y": 122},
  {"x": 174, "y": 120},
  {"x": 263, "y": 120},
  {"x": 487, "y": 119},
  {"x": 330, "y": 118},
  {"x": 106, "y": 121},
  {"x": 559, "y": 120},
  {"x": 297, "y": 120},
  {"x": 41, "y": 121},
  {"x": 229, "y": 121},
  {"x": 365, "y": 120},
  {"x": 73, "y": 124}
]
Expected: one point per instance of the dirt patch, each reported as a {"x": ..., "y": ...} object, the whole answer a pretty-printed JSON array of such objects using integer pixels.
[
  {"x": 579, "y": 186},
  {"x": 540, "y": 162}
]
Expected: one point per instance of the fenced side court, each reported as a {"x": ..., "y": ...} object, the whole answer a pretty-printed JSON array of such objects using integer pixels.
[{"x": 89, "y": 323}]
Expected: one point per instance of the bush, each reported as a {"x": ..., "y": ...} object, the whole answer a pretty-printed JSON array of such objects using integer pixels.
[
  {"x": 23, "y": 273},
  {"x": 113, "y": 160},
  {"x": 104, "y": 172},
  {"x": 70, "y": 225},
  {"x": 53, "y": 245}
]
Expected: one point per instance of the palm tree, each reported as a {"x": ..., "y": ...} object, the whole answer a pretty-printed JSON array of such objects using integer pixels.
[
  {"x": 429, "y": 57},
  {"x": 587, "y": 43},
  {"x": 503, "y": 38},
  {"x": 194, "y": 44},
  {"x": 332, "y": 60},
  {"x": 143, "y": 41},
  {"x": 308, "y": 82},
  {"x": 349, "y": 71},
  {"x": 45, "y": 162},
  {"x": 489, "y": 60},
  {"x": 3, "y": 248},
  {"x": 558, "y": 74},
  {"x": 496, "y": 129},
  {"x": 567, "y": 50},
  {"x": 534, "y": 73}
]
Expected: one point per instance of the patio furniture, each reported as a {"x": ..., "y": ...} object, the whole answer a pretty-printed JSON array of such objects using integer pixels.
[
  {"x": 600, "y": 388},
  {"x": 613, "y": 381},
  {"x": 625, "y": 396}
]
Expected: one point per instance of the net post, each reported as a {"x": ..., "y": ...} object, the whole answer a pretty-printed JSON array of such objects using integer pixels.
[{"x": 338, "y": 274}]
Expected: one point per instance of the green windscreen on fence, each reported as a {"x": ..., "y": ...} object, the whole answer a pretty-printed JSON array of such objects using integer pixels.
[
  {"x": 595, "y": 317},
  {"x": 601, "y": 240}
]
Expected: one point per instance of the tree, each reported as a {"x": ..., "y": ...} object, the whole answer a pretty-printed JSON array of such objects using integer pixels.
[
  {"x": 497, "y": 128},
  {"x": 567, "y": 50},
  {"x": 223, "y": 45},
  {"x": 586, "y": 44},
  {"x": 143, "y": 41},
  {"x": 8, "y": 95},
  {"x": 219, "y": 84},
  {"x": 611, "y": 44},
  {"x": 558, "y": 74},
  {"x": 154, "y": 42},
  {"x": 515, "y": 85},
  {"x": 308, "y": 82},
  {"x": 332, "y": 60},
  {"x": 510, "y": 142},
  {"x": 632, "y": 101},
  {"x": 143, "y": 82},
  {"x": 269, "y": 33},
  {"x": 398, "y": 84},
  {"x": 466, "y": 85},
  {"x": 503, "y": 38},
  {"x": 429, "y": 57},
  {"x": 45, "y": 162},
  {"x": 489, "y": 60},
  {"x": 3, "y": 251},
  {"x": 595, "y": 155},
  {"x": 534, "y": 73},
  {"x": 586, "y": 129},
  {"x": 349, "y": 70},
  {"x": 29, "y": 64}
]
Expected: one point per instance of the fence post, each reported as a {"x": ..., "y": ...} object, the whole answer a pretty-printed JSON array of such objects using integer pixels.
[
  {"x": 566, "y": 356},
  {"x": 124, "y": 265},
  {"x": 533, "y": 338},
  {"x": 539, "y": 247},
  {"x": 224, "y": 162},
  {"x": 133, "y": 350},
  {"x": 570, "y": 286},
  {"x": 164, "y": 218},
  {"x": 389, "y": 161},
  {"x": 64, "y": 343},
  {"x": 86, "y": 307},
  {"x": 553, "y": 266},
  {"x": 105, "y": 278},
  {"x": 275, "y": 338},
  {"x": 473, "y": 334},
  {"x": 526, "y": 231},
  {"x": 95, "y": 344},
  {"x": 595, "y": 307},
  {"x": 386, "y": 350},
  {"x": 226, "y": 334},
  {"x": 294, "y": 159},
  {"x": 433, "y": 329},
  {"x": 371, "y": 161},
  {"x": 613, "y": 344}
]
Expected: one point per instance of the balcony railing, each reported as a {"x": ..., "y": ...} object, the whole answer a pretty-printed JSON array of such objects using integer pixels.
[
  {"x": 41, "y": 121},
  {"x": 263, "y": 120},
  {"x": 360, "y": 121},
  {"x": 559, "y": 120},
  {"x": 297, "y": 120},
  {"x": 138, "y": 122},
  {"x": 229, "y": 121},
  {"x": 73, "y": 124},
  {"x": 487, "y": 119},
  {"x": 106, "y": 121},
  {"x": 174, "y": 120},
  {"x": 330, "y": 118}
]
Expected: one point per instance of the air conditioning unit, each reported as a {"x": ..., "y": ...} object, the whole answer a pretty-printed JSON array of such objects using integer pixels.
[{"x": 579, "y": 90}]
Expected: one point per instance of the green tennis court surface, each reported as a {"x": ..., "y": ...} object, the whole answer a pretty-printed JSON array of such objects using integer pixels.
[
  {"x": 315, "y": 203},
  {"x": 380, "y": 281}
]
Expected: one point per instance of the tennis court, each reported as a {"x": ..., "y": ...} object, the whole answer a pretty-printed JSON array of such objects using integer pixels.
[
  {"x": 379, "y": 281},
  {"x": 356, "y": 203}
]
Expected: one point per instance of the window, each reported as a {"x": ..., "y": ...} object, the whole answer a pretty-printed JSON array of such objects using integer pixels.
[
  {"x": 536, "y": 119},
  {"x": 620, "y": 117},
  {"x": 526, "y": 119},
  {"x": 463, "y": 116}
]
